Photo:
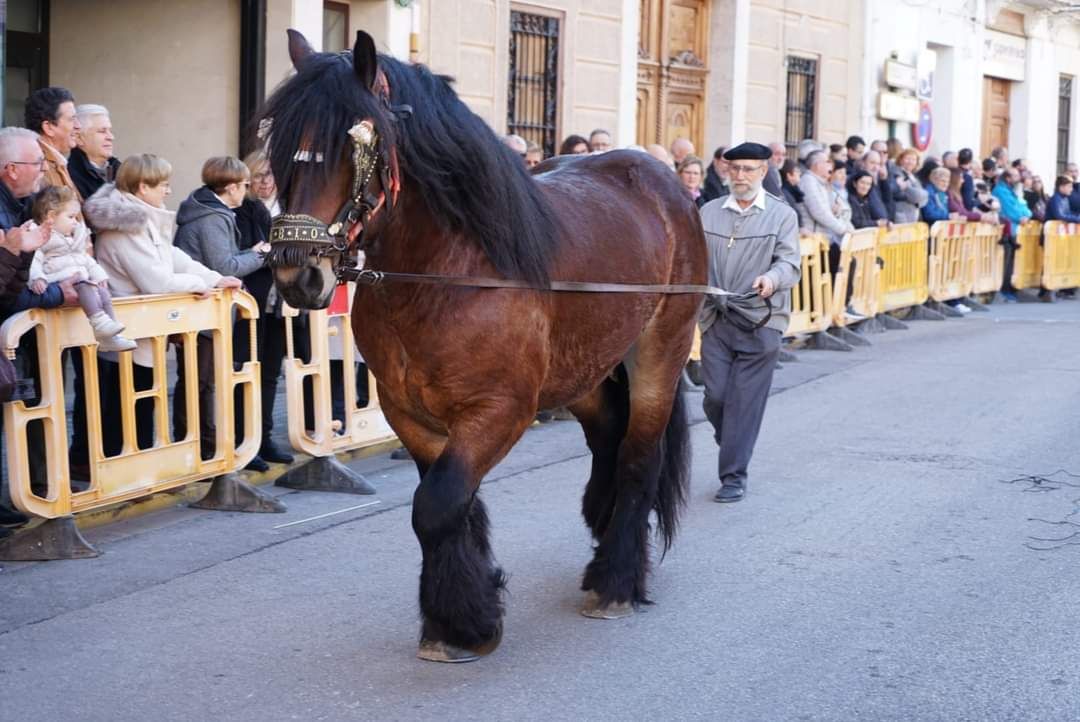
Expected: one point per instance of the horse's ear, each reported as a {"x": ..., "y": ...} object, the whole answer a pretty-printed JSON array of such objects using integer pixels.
[
  {"x": 364, "y": 58},
  {"x": 299, "y": 48}
]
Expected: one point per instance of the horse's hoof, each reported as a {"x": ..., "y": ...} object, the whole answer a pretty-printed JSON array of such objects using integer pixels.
[
  {"x": 616, "y": 610},
  {"x": 432, "y": 650}
]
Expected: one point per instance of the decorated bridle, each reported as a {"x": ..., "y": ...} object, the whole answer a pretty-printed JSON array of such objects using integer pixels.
[{"x": 294, "y": 237}]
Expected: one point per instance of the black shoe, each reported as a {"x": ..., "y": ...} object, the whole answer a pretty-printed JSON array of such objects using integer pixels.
[
  {"x": 10, "y": 517},
  {"x": 257, "y": 464},
  {"x": 270, "y": 452},
  {"x": 401, "y": 454},
  {"x": 729, "y": 493}
]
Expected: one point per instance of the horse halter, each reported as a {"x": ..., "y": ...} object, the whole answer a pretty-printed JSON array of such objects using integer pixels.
[{"x": 292, "y": 232}]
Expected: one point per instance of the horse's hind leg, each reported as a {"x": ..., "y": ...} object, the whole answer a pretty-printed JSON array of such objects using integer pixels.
[
  {"x": 460, "y": 585},
  {"x": 603, "y": 415},
  {"x": 615, "y": 580}
]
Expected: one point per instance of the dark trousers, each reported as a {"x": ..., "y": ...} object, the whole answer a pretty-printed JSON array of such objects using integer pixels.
[
  {"x": 79, "y": 452},
  {"x": 204, "y": 361},
  {"x": 737, "y": 367},
  {"x": 271, "y": 347},
  {"x": 1010, "y": 262},
  {"x": 111, "y": 417},
  {"x": 337, "y": 389},
  {"x": 834, "y": 268}
]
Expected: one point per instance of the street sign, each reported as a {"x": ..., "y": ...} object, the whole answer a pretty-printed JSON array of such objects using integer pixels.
[
  {"x": 901, "y": 75},
  {"x": 894, "y": 106}
]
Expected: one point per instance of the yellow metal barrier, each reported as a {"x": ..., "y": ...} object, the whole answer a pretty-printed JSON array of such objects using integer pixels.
[
  {"x": 363, "y": 427},
  {"x": 905, "y": 277},
  {"x": 988, "y": 264},
  {"x": 1028, "y": 264},
  {"x": 811, "y": 299},
  {"x": 695, "y": 349},
  {"x": 134, "y": 472},
  {"x": 951, "y": 260},
  {"x": 1061, "y": 259},
  {"x": 860, "y": 246}
]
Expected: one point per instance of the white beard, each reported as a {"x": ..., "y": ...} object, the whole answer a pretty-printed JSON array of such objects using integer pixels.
[{"x": 748, "y": 195}]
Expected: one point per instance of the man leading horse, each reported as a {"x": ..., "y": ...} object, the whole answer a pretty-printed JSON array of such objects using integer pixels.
[{"x": 753, "y": 239}]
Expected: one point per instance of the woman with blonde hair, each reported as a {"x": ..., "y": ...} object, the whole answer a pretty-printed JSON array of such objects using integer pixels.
[
  {"x": 134, "y": 233},
  {"x": 907, "y": 192}
]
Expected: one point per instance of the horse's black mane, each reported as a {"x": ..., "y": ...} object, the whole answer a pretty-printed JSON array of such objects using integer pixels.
[{"x": 471, "y": 182}]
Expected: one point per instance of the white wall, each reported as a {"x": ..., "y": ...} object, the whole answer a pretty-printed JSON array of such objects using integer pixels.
[{"x": 947, "y": 27}]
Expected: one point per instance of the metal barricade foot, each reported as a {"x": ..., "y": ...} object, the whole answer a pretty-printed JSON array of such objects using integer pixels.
[
  {"x": 890, "y": 323},
  {"x": 848, "y": 336},
  {"x": 870, "y": 325},
  {"x": 325, "y": 473},
  {"x": 974, "y": 305},
  {"x": 229, "y": 492},
  {"x": 924, "y": 313},
  {"x": 52, "y": 539},
  {"x": 944, "y": 309},
  {"x": 824, "y": 342}
]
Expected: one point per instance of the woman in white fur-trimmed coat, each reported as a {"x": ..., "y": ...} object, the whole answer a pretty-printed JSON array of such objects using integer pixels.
[{"x": 134, "y": 233}]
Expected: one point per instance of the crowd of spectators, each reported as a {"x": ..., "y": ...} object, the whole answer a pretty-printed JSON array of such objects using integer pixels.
[
  {"x": 79, "y": 227},
  {"x": 839, "y": 188}
]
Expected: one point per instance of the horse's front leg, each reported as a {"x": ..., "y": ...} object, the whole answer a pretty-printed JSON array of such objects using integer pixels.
[{"x": 460, "y": 584}]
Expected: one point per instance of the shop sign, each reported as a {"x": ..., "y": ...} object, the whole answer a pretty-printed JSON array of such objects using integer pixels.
[{"x": 1004, "y": 55}]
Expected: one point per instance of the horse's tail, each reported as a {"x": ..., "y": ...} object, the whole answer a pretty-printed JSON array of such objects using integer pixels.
[{"x": 674, "y": 480}]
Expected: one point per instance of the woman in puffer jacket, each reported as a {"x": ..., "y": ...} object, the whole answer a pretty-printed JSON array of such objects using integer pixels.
[{"x": 134, "y": 233}]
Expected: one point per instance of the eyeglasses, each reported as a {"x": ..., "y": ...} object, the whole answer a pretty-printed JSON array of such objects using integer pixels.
[
  {"x": 260, "y": 177},
  {"x": 39, "y": 163},
  {"x": 735, "y": 169}
]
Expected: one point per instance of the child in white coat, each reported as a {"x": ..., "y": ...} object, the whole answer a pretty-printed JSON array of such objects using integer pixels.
[{"x": 65, "y": 256}]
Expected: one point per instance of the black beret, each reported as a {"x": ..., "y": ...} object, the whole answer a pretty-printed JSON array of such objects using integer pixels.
[{"x": 748, "y": 151}]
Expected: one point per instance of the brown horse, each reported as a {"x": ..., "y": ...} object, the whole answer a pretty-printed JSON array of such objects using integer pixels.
[{"x": 462, "y": 371}]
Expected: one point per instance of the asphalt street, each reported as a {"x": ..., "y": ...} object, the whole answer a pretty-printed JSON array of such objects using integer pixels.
[{"x": 908, "y": 550}]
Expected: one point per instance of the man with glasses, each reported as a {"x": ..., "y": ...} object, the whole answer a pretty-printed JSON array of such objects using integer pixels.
[
  {"x": 753, "y": 239},
  {"x": 21, "y": 167}
]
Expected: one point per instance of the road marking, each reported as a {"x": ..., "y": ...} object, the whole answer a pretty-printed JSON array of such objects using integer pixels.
[{"x": 329, "y": 513}]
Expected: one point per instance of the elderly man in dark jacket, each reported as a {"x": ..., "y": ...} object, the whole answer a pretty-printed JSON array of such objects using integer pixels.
[
  {"x": 21, "y": 168},
  {"x": 91, "y": 163}
]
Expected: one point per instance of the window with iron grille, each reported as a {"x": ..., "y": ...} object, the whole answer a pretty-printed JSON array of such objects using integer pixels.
[
  {"x": 801, "y": 94},
  {"x": 1065, "y": 83},
  {"x": 532, "y": 104}
]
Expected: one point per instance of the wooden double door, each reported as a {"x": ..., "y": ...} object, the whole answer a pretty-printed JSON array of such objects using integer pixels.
[
  {"x": 673, "y": 48},
  {"x": 995, "y": 120}
]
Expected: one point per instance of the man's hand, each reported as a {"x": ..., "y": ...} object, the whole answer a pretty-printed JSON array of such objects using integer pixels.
[
  {"x": 71, "y": 296},
  {"x": 764, "y": 286},
  {"x": 38, "y": 286},
  {"x": 26, "y": 238}
]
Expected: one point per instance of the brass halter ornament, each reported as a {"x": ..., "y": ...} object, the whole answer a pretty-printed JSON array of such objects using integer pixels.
[{"x": 297, "y": 236}]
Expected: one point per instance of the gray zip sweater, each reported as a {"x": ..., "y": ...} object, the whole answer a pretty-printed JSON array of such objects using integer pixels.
[
  {"x": 743, "y": 246},
  {"x": 206, "y": 231}
]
